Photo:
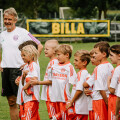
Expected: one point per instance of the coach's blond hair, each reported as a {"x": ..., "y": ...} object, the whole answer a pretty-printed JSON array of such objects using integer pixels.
[
  {"x": 11, "y": 11},
  {"x": 65, "y": 48},
  {"x": 83, "y": 55},
  {"x": 31, "y": 51}
]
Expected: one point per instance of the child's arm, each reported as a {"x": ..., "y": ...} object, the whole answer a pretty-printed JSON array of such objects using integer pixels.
[
  {"x": 112, "y": 90},
  {"x": 27, "y": 86},
  {"x": 117, "y": 108},
  {"x": 36, "y": 82},
  {"x": 17, "y": 80},
  {"x": 76, "y": 96},
  {"x": 104, "y": 96},
  {"x": 87, "y": 91},
  {"x": 25, "y": 72},
  {"x": 85, "y": 85}
]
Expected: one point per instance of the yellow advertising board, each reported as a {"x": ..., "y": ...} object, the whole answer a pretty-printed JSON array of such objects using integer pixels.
[{"x": 69, "y": 28}]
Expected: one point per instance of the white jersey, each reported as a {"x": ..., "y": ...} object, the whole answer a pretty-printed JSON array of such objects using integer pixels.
[
  {"x": 18, "y": 101},
  {"x": 89, "y": 98},
  {"x": 115, "y": 79},
  {"x": 10, "y": 41},
  {"x": 47, "y": 89},
  {"x": 99, "y": 79},
  {"x": 34, "y": 71},
  {"x": 62, "y": 76},
  {"x": 81, "y": 104}
]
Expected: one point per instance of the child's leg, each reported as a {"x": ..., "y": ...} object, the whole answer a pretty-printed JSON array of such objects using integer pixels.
[
  {"x": 111, "y": 106},
  {"x": 51, "y": 107},
  {"x": 100, "y": 110},
  {"x": 31, "y": 111},
  {"x": 63, "y": 111},
  {"x": 21, "y": 112},
  {"x": 91, "y": 115}
]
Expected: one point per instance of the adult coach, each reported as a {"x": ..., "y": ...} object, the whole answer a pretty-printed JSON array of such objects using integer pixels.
[{"x": 11, "y": 58}]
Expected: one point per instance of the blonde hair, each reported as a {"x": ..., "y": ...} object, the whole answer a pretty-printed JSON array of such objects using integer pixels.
[
  {"x": 31, "y": 51},
  {"x": 11, "y": 11},
  {"x": 84, "y": 55},
  {"x": 53, "y": 42},
  {"x": 65, "y": 48}
]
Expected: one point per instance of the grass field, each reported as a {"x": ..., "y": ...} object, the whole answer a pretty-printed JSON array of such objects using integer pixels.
[{"x": 4, "y": 109}]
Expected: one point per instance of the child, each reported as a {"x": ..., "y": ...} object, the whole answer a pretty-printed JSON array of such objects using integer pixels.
[
  {"x": 99, "y": 79},
  {"x": 61, "y": 77},
  {"x": 29, "y": 95},
  {"x": 79, "y": 99},
  {"x": 46, "y": 94},
  {"x": 114, "y": 81},
  {"x": 89, "y": 91}
]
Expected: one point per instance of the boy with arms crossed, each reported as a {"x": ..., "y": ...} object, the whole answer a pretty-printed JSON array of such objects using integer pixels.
[
  {"x": 99, "y": 80},
  {"x": 79, "y": 99}
]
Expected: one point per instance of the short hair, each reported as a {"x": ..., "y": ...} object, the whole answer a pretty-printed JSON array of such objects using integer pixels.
[
  {"x": 103, "y": 47},
  {"x": 29, "y": 42},
  {"x": 54, "y": 43},
  {"x": 11, "y": 11},
  {"x": 30, "y": 50},
  {"x": 65, "y": 48},
  {"x": 115, "y": 49},
  {"x": 84, "y": 55},
  {"x": 92, "y": 52}
]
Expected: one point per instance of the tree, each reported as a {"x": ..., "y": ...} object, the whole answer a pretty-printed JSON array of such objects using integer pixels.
[{"x": 82, "y": 8}]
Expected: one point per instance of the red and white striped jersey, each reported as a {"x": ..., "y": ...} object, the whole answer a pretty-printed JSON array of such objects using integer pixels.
[
  {"x": 62, "y": 76},
  {"x": 34, "y": 71},
  {"x": 99, "y": 79},
  {"x": 47, "y": 89},
  {"x": 81, "y": 104}
]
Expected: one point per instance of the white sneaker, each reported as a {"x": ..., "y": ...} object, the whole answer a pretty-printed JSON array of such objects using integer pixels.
[{"x": 54, "y": 118}]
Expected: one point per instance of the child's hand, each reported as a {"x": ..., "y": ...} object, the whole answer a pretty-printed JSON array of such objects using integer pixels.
[
  {"x": 22, "y": 66},
  {"x": 34, "y": 81},
  {"x": 68, "y": 104},
  {"x": 17, "y": 80},
  {"x": 87, "y": 91},
  {"x": 25, "y": 72}
]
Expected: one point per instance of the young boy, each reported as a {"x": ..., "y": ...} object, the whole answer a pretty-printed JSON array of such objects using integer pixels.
[
  {"x": 99, "y": 80},
  {"x": 89, "y": 91},
  {"x": 50, "y": 46},
  {"x": 79, "y": 99},
  {"x": 61, "y": 77},
  {"x": 113, "y": 81}
]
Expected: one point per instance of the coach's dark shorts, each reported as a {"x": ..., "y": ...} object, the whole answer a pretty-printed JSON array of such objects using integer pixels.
[{"x": 8, "y": 81}]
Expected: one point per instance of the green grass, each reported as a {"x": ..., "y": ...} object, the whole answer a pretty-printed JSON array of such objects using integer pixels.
[{"x": 4, "y": 109}]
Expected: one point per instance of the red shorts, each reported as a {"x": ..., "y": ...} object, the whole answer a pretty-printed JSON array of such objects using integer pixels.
[
  {"x": 111, "y": 106},
  {"x": 91, "y": 115},
  {"x": 30, "y": 111},
  {"x": 80, "y": 117},
  {"x": 100, "y": 110},
  {"x": 61, "y": 112},
  {"x": 51, "y": 107}
]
